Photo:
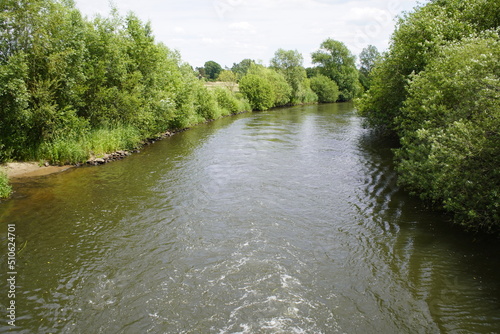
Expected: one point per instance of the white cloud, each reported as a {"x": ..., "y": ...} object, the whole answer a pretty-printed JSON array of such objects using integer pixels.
[
  {"x": 364, "y": 14},
  {"x": 213, "y": 41},
  {"x": 244, "y": 27}
]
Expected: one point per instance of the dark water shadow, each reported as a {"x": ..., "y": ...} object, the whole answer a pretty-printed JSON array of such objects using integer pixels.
[{"x": 454, "y": 271}]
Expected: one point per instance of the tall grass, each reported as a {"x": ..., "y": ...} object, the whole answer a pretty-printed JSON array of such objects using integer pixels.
[
  {"x": 106, "y": 140},
  {"x": 5, "y": 188},
  {"x": 96, "y": 143}
]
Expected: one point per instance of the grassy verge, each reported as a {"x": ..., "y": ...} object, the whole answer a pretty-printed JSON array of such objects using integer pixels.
[
  {"x": 96, "y": 143},
  {"x": 5, "y": 188}
]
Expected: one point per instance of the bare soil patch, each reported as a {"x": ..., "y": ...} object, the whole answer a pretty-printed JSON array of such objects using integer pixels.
[{"x": 30, "y": 169}]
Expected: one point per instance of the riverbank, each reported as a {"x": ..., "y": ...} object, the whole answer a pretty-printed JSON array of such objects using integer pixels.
[
  {"x": 15, "y": 170},
  {"x": 18, "y": 170}
]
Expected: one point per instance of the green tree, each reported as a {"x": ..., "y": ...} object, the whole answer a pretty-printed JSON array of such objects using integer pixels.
[
  {"x": 212, "y": 69},
  {"x": 114, "y": 90},
  {"x": 368, "y": 58},
  {"x": 312, "y": 72},
  {"x": 41, "y": 52},
  {"x": 326, "y": 89},
  {"x": 417, "y": 40},
  {"x": 242, "y": 67},
  {"x": 289, "y": 63},
  {"x": 281, "y": 90},
  {"x": 15, "y": 118},
  {"x": 450, "y": 136},
  {"x": 258, "y": 91},
  {"x": 336, "y": 62}
]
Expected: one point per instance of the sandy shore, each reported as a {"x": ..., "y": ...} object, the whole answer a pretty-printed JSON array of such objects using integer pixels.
[{"x": 29, "y": 169}]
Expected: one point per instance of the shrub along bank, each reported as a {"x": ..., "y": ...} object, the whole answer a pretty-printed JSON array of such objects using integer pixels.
[
  {"x": 437, "y": 89},
  {"x": 72, "y": 87}
]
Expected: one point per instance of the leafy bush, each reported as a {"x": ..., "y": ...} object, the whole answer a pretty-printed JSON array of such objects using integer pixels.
[
  {"x": 304, "y": 94},
  {"x": 417, "y": 40},
  {"x": 450, "y": 132},
  {"x": 326, "y": 89},
  {"x": 307, "y": 95},
  {"x": 437, "y": 90},
  {"x": 226, "y": 101},
  {"x": 258, "y": 91},
  {"x": 205, "y": 104},
  {"x": 243, "y": 104},
  {"x": 281, "y": 89}
]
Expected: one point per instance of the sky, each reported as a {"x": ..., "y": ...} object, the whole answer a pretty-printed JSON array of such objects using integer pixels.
[{"x": 228, "y": 31}]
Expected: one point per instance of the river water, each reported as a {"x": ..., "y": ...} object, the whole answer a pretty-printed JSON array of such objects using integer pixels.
[{"x": 287, "y": 221}]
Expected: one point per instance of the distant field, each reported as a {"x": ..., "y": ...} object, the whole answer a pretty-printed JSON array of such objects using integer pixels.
[{"x": 212, "y": 85}]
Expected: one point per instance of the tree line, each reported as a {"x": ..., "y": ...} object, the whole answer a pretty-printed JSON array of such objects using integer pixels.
[
  {"x": 335, "y": 78},
  {"x": 437, "y": 89},
  {"x": 63, "y": 77},
  {"x": 73, "y": 87}
]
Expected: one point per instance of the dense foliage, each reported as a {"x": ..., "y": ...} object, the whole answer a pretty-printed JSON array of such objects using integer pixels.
[
  {"x": 72, "y": 87},
  {"x": 289, "y": 64},
  {"x": 212, "y": 70},
  {"x": 326, "y": 89},
  {"x": 338, "y": 63},
  {"x": 437, "y": 89},
  {"x": 417, "y": 40},
  {"x": 267, "y": 87},
  {"x": 65, "y": 81},
  {"x": 450, "y": 127},
  {"x": 258, "y": 91},
  {"x": 367, "y": 58},
  {"x": 280, "y": 89}
]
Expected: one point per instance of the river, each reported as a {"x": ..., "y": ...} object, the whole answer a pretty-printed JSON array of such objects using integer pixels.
[{"x": 286, "y": 221}]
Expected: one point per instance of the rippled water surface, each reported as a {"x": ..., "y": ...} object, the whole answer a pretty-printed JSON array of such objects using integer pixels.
[{"x": 287, "y": 221}]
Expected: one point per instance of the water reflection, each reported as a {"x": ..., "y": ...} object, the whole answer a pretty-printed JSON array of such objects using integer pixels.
[{"x": 441, "y": 264}]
